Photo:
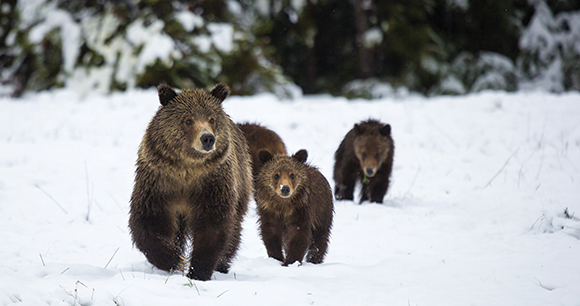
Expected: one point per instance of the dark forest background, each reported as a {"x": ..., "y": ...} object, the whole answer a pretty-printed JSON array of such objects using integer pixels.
[{"x": 356, "y": 48}]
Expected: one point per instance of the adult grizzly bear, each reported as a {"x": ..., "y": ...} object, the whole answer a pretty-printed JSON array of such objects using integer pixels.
[
  {"x": 193, "y": 183},
  {"x": 295, "y": 208},
  {"x": 365, "y": 154},
  {"x": 261, "y": 138}
]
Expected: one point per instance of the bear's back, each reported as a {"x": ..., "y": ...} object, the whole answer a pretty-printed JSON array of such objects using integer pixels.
[
  {"x": 320, "y": 195},
  {"x": 261, "y": 138}
]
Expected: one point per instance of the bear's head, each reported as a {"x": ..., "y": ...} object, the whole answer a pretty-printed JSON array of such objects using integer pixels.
[
  {"x": 190, "y": 124},
  {"x": 283, "y": 174},
  {"x": 372, "y": 144}
]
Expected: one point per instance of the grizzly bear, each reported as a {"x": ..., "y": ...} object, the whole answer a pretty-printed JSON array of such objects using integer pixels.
[
  {"x": 192, "y": 186},
  {"x": 366, "y": 155},
  {"x": 259, "y": 138},
  {"x": 295, "y": 208}
]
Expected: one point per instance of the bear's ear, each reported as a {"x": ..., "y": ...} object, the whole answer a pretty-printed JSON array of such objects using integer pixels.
[
  {"x": 166, "y": 94},
  {"x": 358, "y": 129},
  {"x": 265, "y": 156},
  {"x": 301, "y": 156},
  {"x": 221, "y": 91},
  {"x": 385, "y": 130}
]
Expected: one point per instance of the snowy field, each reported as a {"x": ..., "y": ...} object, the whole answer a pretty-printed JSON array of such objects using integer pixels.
[{"x": 483, "y": 209}]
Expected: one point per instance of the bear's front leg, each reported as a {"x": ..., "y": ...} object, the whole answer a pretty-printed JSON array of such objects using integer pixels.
[
  {"x": 378, "y": 193},
  {"x": 208, "y": 246},
  {"x": 154, "y": 235},
  {"x": 345, "y": 179},
  {"x": 378, "y": 187},
  {"x": 271, "y": 229},
  {"x": 299, "y": 238},
  {"x": 344, "y": 190}
]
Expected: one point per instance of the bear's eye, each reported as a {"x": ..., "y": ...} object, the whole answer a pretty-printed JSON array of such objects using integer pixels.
[
  {"x": 211, "y": 121},
  {"x": 276, "y": 176},
  {"x": 189, "y": 121},
  {"x": 377, "y": 156},
  {"x": 364, "y": 155},
  {"x": 291, "y": 176}
]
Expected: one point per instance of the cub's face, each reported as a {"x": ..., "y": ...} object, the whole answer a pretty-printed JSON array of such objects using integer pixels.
[
  {"x": 284, "y": 181},
  {"x": 283, "y": 174},
  {"x": 371, "y": 154},
  {"x": 372, "y": 149}
]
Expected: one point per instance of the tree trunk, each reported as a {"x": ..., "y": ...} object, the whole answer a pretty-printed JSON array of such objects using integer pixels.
[{"x": 362, "y": 25}]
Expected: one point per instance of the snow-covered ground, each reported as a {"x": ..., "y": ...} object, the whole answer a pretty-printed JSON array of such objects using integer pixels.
[{"x": 480, "y": 212}]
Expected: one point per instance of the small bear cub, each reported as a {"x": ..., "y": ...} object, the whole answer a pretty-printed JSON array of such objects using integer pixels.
[
  {"x": 366, "y": 155},
  {"x": 295, "y": 208},
  {"x": 260, "y": 138}
]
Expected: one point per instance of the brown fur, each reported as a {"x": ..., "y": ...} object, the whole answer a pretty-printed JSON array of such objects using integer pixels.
[
  {"x": 366, "y": 155},
  {"x": 260, "y": 138},
  {"x": 295, "y": 208},
  {"x": 193, "y": 182}
]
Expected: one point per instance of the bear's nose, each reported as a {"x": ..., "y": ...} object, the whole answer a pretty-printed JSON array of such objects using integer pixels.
[
  {"x": 207, "y": 140},
  {"x": 370, "y": 171},
  {"x": 285, "y": 190}
]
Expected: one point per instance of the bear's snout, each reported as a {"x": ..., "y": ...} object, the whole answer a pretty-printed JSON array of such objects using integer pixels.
[
  {"x": 207, "y": 141},
  {"x": 285, "y": 190},
  {"x": 370, "y": 171}
]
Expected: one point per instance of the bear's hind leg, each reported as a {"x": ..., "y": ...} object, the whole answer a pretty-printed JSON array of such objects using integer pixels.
[
  {"x": 225, "y": 260},
  {"x": 317, "y": 249}
]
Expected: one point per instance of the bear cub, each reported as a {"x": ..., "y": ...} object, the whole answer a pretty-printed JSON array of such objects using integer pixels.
[
  {"x": 261, "y": 138},
  {"x": 366, "y": 155},
  {"x": 192, "y": 185},
  {"x": 295, "y": 208}
]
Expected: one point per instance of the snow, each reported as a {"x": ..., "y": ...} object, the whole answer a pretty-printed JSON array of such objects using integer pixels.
[
  {"x": 537, "y": 35},
  {"x": 156, "y": 44},
  {"x": 222, "y": 36},
  {"x": 263, "y": 7},
  {"x": 70, "y": 34},
  {"x": 461, "y": 4},
  {"x": 373, "y": 37},
  {"x": 203, "y": 43},
  {"x": 376, "y": 89},
  {"x": 189, "y": 20},
  {"x": 481, "y": 210},
  {"x": 452, "y": 84},
  {"x": 549, "y": 44},
  {"x": 30, "y": 10}
]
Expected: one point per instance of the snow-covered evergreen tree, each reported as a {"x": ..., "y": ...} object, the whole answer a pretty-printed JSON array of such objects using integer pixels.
[
  {"x": 106, "y": 46},
  {"x": 550, "y": 50}
]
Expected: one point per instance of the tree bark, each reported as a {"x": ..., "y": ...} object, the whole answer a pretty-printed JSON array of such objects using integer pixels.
[{"x": 362, "y": 25}]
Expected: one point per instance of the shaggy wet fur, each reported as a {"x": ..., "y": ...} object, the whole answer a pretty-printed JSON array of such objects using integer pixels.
[
  {"x": 365, "y": 155},
  {"x": 295, "y": 208},
  {"x": 261, "y": 138},
  {"x": 192, "y": 185}
]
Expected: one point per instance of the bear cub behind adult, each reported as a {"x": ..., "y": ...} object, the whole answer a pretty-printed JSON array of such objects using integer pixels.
[
  {"x": 261, "y": 138},
  {"x": 295, "y": 208},
  {"x": 365, "y": 155},
  {"x": 192, "y": 185}
]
